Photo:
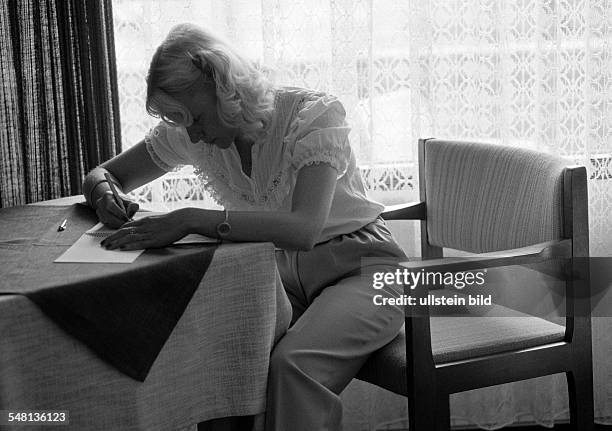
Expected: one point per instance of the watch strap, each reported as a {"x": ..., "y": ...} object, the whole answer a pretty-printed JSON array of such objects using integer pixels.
[{"x": 224, "y": 228}]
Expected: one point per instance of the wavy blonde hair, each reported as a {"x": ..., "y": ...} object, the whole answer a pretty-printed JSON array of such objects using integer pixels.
[{"x": 245, "y": 97}]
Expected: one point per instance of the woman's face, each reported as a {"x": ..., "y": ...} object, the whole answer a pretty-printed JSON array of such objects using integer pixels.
[{"x": 201, "y": 100}]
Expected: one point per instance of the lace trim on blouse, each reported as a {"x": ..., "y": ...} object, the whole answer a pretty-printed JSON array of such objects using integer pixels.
[{"x": 216, "y": 180}]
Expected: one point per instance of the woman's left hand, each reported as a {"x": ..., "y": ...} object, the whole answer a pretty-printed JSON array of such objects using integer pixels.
[{"x": 149, "y": 232}]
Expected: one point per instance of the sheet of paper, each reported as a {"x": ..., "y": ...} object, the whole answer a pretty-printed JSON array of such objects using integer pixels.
[{"x": 87, "y": 248}]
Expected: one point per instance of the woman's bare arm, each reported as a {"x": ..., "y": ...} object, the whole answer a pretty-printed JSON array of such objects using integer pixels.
[
  {"x": 129, "y": 170},
  {"x": 299, "y": 228},
  {"x": 133, "y": 167}
]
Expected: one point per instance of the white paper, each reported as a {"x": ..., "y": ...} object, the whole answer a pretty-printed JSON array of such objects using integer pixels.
[{"x": 87, "y": 248}]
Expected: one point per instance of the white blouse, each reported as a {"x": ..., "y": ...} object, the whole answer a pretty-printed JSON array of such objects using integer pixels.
[{"x": 307, "y": 128}]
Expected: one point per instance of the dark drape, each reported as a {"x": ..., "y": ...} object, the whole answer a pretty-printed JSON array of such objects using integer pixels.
[{"x": 58, "y": 93}]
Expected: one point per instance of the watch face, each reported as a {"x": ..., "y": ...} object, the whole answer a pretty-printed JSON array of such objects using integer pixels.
[{"x": 223, "y": 228}]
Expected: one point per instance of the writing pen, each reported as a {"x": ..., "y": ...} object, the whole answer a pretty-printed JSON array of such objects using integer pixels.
[
  {"x": 62, "y": 226},
  {"x": 116, "y": 194}
]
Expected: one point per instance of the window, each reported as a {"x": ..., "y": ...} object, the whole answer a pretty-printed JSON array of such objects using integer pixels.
[{"x": 533, "y": 73}]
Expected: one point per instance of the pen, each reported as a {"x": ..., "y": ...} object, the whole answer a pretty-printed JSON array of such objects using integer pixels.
[
  {"x": 115, "y": 193},
  {"x": 62, "y": 226}
]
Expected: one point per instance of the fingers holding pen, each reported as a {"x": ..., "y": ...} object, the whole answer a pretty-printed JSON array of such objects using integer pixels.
[
  {"x": 131, "y": 208},
  {"x": 111, "y": 214},
  {"x": 109, "y": 219}
]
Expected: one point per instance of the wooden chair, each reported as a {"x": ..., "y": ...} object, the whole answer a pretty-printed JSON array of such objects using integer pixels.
[{"x": 483, "y": 198}]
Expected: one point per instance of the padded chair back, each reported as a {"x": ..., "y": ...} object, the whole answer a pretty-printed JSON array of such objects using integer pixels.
[{"x": 483, "y": 197}]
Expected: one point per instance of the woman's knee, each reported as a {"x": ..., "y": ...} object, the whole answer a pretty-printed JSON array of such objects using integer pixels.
[
  {"x": 282, "y": 358},
  {"x": 289, "y": 360}
]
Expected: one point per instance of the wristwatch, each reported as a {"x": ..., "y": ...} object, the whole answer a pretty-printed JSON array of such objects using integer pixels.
[{"x": 224, "y": 228}]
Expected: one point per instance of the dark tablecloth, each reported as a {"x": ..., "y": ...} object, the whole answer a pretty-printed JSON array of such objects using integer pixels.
[{"x": 123, "y": 312}]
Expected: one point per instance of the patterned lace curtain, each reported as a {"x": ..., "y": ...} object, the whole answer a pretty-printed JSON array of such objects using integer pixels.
[
  {"x": 58, "y": 93},
  {"x": 528, "y": 73}
]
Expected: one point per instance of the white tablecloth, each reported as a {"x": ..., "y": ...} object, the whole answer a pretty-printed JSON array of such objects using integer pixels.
[{"x": 214, "y": 364}]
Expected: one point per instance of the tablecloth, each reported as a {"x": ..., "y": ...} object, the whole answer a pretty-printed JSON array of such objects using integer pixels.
[
  {"x": 213, "y": 364},
  {"x": 123, "y": 312}
]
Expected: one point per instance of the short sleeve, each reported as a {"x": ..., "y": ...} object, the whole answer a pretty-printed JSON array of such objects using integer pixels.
[
  {"x": 169, "y": 146},
  {"x": 320, "y": 133}
]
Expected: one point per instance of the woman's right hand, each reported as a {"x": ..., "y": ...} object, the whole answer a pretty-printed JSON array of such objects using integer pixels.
[{"x": 111, "y": 214}]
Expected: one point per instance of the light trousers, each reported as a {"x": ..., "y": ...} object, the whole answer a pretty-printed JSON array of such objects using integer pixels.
[{"x": 335, "y": 327}]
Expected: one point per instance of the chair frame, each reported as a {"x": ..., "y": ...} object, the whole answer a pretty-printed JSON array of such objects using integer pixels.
[{"x": 430, "y": 384}]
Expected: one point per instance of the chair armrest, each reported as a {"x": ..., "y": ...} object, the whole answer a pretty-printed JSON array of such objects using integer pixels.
[
  {"x": 536, "y": 253},
  {"x": 407, "y": 211}
]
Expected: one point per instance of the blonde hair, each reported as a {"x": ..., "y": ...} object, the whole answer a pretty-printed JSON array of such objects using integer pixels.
[{"x": 245, "y": 97}]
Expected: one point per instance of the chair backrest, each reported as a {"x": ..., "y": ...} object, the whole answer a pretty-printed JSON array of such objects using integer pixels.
[{"x": 483, "y": 197}]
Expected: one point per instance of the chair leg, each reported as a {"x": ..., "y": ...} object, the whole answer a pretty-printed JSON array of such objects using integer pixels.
[
  {"x": 442, "y": 412},
  {"x": 422, "y": 412},
  {"x": 429, "y": 411},
  {"x": 580, "y": 391}
]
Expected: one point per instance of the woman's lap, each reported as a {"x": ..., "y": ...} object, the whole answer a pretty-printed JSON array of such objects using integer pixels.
[{"x": 336, "y": 324}]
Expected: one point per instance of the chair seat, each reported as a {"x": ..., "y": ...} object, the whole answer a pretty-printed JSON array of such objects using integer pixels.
[{"x": 468, "y": 332}]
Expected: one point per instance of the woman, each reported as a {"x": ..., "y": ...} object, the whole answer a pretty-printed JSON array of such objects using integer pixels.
[{"x": 279, "y": 161}]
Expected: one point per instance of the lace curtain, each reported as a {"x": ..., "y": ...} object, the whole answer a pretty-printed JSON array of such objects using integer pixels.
[{"x": 529, "y": 73}]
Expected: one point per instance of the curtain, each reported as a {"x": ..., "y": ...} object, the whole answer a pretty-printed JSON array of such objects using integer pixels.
[
  {"x": 58, "y": 93},
  {"x": 527, "y": 73}
]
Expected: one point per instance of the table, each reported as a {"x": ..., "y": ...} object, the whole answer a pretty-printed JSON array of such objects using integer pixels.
[{"x": 214, "y": 363}]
